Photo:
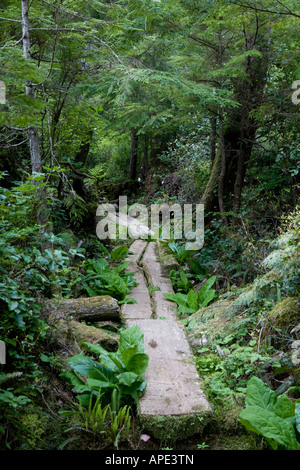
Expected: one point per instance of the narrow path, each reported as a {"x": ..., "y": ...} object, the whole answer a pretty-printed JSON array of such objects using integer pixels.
[{"x": 173, "y": 402}]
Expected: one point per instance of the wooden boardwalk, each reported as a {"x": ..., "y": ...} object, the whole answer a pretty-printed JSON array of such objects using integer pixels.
[{"x": 173, "y": 401}]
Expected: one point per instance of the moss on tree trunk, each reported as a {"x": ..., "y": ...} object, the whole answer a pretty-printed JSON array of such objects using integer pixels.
[{"x": 99, "y": 308}]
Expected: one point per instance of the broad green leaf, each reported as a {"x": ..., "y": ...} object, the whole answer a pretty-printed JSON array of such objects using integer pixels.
[
  {"x": 122, "y": 266},
  {"x": 284, "y": 407},
  {"x": 205, "y": 288},
  {"x": 100, "y": 265},
  {"x": 131, "y": 337},
  {"x": 138, "y": 363},
  {"x": 128, "y": 353},
  {"x": 196, "y": 267},
  {"x": 271, "y": 426},
  {"x": 184, "y": 309},
  {"x": 183, "y": 277},
  {"x": 95, "y": 384},
  {"x": 192, "y": 300},
  {"x": 205, "y": 299},
  {"x": 113, "y": 360},
  {"x": 95, "y": 348},
  {"x": 119, "y": 252},
  {"x": 171, "y": 297},
  {"x": 134, "y": 390},
  {"x": 86, "y": 367},
  {"x": 179, "y": 298},
  {"x": 72, "y": 378},
  {"x": 127, "y": 378},
  {"x": 12, "y": 304},
  {"x": 258, "y": 393}
]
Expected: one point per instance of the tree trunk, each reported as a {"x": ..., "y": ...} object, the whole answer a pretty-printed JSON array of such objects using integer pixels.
[
  {"x": 145, "y": 163},
  {"x": 133, "y": 155},
  {"x": 250, "y": 95},
  {"x": 94, "y": 335},
  {"x": 222, "y": 141},
  {"x": 83, "y": 152},
  {"x": 213, "y": 140},
  {"x": 33, "y": 136},
  {"x": 93, "y": 309},
  {"x": 208, "y": 198},
  {"x": 223, "y": 169},
  {"x": 239, "y": 137}
]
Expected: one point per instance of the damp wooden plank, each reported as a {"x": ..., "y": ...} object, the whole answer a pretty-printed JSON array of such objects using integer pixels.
[{"x": 158, "y": 279}]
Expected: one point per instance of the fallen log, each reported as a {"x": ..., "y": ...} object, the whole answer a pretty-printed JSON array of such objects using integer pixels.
[
  {"x": 91, "y": 334},
  {"x": 90, "y": 309}
]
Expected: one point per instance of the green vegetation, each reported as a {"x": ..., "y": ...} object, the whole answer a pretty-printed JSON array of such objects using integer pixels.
[
  {"x": 121, "y": 370},
  {"x": 101, "y": 279},
  {"x": 109, "y": 422},
  {"x": 162, "y": 101},
  {"x": 275, "y": 418},
  {"x": 193, "y": 301}
]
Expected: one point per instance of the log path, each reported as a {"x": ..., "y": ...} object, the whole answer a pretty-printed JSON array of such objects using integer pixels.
[{"x": 173, "y": 401}]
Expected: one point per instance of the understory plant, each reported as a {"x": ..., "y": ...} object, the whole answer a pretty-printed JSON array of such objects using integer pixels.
[
  {"x": 192, "y": 301},
  {"x": 117, "y": 253},
  {"x": 102, "y": 279},
  {"x": 276, "y": 418},
  {"x": 226, "y": 364},
  {"x": 111, "y": 421},
  {"x": 181, "y": 281},
  {"x": 179, "y": 251},
  {"x": 121, "y": 370}
]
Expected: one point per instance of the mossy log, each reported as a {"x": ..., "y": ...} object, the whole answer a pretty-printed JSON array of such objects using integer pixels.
[
  {"x": 91, "y": 334},
  {"x": 92, "y": 309}
]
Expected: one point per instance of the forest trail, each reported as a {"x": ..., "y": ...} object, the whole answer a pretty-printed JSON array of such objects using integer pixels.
[{"x": 173, "y": 399}]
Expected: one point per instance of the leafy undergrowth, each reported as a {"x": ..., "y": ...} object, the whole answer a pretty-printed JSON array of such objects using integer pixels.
[{"x": 40, "y": 410}]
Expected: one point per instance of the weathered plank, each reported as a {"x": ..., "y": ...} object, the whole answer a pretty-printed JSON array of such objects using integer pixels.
[
  {"x": 158, "y": 279},
  {"x": 140, "y": 294},
  {"x": 174, "y": 401}
]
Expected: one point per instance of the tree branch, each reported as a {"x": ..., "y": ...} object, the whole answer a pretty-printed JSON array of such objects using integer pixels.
[
  {"x": 10, "y": 19},
  {"x": 265, "y": 10},
  {"x": 82, "y": 31}
]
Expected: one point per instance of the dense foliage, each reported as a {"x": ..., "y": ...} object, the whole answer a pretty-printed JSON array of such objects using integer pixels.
[{"x": 162, "y": 101}]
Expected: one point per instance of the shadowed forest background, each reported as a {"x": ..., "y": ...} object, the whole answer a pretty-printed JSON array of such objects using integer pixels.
[{"x": 175, "y": 101}]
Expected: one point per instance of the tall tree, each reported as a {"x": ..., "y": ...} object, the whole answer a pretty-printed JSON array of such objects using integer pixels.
[{"x": 33, "y": 135}]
